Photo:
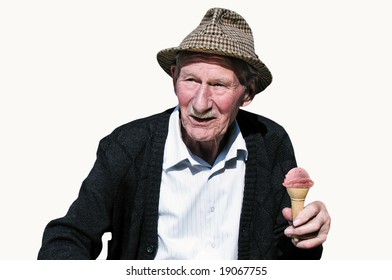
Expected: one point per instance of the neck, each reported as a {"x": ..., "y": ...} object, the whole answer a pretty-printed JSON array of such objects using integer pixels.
[{"x": 206, "y": 150}]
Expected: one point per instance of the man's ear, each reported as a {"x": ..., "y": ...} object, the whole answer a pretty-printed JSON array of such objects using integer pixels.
[
  {"x": 247, "y": 100},
  {"x": 173, "y": 70},
  {"x": 250, "y": 93},
  {"x": 174, "y": 75}
]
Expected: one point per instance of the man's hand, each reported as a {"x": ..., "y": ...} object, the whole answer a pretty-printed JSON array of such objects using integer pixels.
[{"x": 311, "y": 226}]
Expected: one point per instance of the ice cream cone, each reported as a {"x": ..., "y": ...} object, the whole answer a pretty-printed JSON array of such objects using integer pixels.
[
  {"x": 297, "y": 183},
  {"x": 297, "y": 196}
]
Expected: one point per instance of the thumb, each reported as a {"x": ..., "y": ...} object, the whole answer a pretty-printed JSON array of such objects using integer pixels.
[{"x": 287, "y": 214}]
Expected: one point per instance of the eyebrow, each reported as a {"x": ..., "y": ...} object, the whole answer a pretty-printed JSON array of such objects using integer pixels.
[
  {"x": 186, "y": 72},
  {"x": 222, "y": 80}
]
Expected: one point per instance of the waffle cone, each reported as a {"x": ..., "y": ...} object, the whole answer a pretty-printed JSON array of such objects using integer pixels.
[{"x": 297, "y": 196}]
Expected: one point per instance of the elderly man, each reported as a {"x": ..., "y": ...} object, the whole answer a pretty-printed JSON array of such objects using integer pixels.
[{"x": 202, "y": 180}]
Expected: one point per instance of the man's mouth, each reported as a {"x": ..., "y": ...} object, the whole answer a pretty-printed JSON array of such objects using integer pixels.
[{"x": 201, "y": 120}]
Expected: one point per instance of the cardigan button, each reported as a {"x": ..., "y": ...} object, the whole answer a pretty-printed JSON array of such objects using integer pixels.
[{"x": 150, "y": 249}]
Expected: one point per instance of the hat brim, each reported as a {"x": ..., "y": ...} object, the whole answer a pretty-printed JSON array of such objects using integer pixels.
[{"x": 167, "y": 57}]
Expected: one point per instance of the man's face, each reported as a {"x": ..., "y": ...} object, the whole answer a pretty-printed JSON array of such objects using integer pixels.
[{"x": 209, "y": 95}]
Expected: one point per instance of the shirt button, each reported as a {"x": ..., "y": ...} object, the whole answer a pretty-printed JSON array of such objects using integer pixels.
[
  {"x": 212, "y": 209},
  {"x": 150, "y": 249},
  {"x": 213, "y": 245}
]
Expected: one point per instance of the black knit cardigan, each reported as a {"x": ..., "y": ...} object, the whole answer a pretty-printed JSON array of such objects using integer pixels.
[{"x": 121, "y": 195}]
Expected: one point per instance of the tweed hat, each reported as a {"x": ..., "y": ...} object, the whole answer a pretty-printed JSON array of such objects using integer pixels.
[{"x": 221, "y": 32}]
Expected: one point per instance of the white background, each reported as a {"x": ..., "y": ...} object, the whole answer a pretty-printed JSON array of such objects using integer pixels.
[{"x": 72, "y": 71}]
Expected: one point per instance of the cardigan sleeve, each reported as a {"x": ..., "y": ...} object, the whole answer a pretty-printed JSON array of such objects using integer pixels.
[{"x": 78, "y": 234}]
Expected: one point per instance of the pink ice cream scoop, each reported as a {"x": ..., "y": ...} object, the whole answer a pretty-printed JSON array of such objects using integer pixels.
[{"x": 297, "y": 178}]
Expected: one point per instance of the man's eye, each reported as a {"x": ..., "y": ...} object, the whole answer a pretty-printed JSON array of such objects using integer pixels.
[
  {"x": 190, "y": 80},
  {"x": 218, "y": 85}
]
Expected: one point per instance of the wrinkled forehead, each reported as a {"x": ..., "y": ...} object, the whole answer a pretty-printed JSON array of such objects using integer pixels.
[{"x": 187, "y": 58}]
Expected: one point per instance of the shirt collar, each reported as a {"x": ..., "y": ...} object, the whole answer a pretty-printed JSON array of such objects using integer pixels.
[{"x": 176, "y": 151}]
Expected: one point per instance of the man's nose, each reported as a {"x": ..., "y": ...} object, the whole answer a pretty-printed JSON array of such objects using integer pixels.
[{"x": 202, "y": 99}]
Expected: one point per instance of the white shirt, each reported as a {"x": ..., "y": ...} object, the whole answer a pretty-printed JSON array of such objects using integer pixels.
[{"x": 200, "y": 205}]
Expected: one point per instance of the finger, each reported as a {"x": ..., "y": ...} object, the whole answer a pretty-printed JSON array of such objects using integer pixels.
[
  {"x": 311, "y": 228},
  {"x": 309, "y": 212},
  {"x": 304, "y": 238},
  {"x": 287, "y": 214},
  {"x": 311, "y": 242}
]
